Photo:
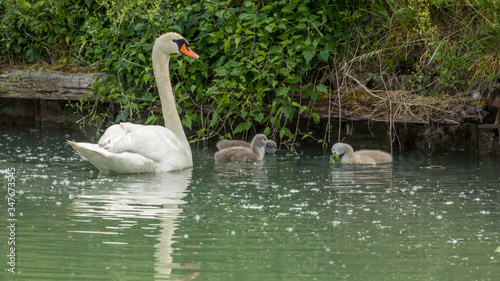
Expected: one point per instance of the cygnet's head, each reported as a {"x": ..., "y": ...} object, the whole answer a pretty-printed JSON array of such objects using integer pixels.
[
  {"x": 271, "y": 146},
  {"x": 174, "y": 43},
  {"x": 340, "y": 148},
  {"x": 260, "y": 140}
]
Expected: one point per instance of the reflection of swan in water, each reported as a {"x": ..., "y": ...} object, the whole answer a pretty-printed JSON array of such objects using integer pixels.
[
  {"x": 361, "y": 179},
  {"x": 129, "y": 198}
]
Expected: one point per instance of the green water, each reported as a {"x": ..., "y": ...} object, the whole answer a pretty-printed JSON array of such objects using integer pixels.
[{"x": 286, "y": 218}]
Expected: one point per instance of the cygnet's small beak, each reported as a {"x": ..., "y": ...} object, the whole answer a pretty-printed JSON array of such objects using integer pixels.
[{"x": 269, "y": 145}]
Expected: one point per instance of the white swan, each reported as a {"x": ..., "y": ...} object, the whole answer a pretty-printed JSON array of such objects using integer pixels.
[
  {"x": 133, "y": 148},
  {"x": 361, "y": 156},
  {"x": 244, "y": 154},
  {"x": 271, "y": 148}
]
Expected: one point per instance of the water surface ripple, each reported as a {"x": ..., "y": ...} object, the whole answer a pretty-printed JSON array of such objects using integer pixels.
[{"x": 285, "y": 218}]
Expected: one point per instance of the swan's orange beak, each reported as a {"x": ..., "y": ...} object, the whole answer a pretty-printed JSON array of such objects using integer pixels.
[{"x": 187, "y": 51}]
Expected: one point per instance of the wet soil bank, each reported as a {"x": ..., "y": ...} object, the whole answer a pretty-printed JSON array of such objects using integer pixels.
[{"x": 40, "y": 99}]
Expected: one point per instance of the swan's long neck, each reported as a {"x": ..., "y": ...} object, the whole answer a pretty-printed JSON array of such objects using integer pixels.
[
  {"x": 348, "y": 152},
  {"x": 168, "y": 106}
]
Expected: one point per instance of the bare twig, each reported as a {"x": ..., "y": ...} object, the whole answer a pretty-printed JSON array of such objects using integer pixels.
[
  {"x": 217, "y": 25},
  {"x": 254, "y": 34},
  {"x": 80, "y": 51},
  {"x": 363, "y": 86}
]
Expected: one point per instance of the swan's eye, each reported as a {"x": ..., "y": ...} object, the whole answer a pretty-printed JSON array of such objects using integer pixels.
[{"x": 181, "y": 42}]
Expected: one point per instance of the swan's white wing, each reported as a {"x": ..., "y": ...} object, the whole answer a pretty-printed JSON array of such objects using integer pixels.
[
  {"x": 153, "y": 142},
  {"x": 116, "y": 132}
]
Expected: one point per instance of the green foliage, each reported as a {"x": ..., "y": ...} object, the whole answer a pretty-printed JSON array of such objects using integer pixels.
[
  {"x": 335, "y": 159},
  {"x": 255, "y": 53},
  {"x": 454, "y": 41},
  {"x": 47, "y": 29},
  {"x": 262, "y": 63}
]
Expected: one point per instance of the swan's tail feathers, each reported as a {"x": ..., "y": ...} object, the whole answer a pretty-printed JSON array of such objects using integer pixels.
[
  {"x": 85, "y": 150},
  {"x": 75, "y": 147},
  {"x": 72, "y": 143}
]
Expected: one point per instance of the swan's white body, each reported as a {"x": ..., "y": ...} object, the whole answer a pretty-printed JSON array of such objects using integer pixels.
[
  {"x": 244, "y": 154},
  {"x": 133, "y": 148},
  {"x": 362, "y": 156}
]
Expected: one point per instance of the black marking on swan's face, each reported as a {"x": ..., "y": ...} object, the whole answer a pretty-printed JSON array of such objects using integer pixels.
[{"x": 181, "y": 42}]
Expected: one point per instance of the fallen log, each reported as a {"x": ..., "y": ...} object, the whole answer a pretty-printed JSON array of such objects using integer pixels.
[{"x": 40, "y": 84}]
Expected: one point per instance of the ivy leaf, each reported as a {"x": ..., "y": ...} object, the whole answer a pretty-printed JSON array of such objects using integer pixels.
[
  {"x": 122, "y": 116},
  {"x": 146, "y": 78},
  {"x": 138, "y": 26},
  {"x": 302, "y": 109},
  {"x": 324, "y": 55},
  {"x": 284, "y": 71},
  {"x": 237, "y": 41},
  {"x": 314, "y": 96},
  {"x": 282, "y": 91},
  {"x": 287, "y": 9},
  {"x": 141, "y": 57},
  {"x": 258, "y": 117},
  {"x": 308, "y": 55},
  {"x": 221, "y": 72},
  {"x": 303, "y": 8},
  {"x": 301, "y": 26},
  {"x": 215, "y": 118},
  {"x": 244, "y": 126},
  {"x": 322, "y": 88},
  {"x": 267, "y": 7},
  {"x": 315, "y": 117},
  {"x": 285, "y": 131},
  {"x": 151, "y": 119},
  {"x": 187, "y": 121},
  {"x": 288, "y": 111}
]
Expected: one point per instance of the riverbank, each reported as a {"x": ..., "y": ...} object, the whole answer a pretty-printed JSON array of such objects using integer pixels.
[{"x": 391, "y": 120}]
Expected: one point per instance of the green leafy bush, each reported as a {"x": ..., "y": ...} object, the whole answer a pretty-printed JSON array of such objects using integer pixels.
[
  {"x": 42, "y": 30},
  {"x": 262, "y": 63}
]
